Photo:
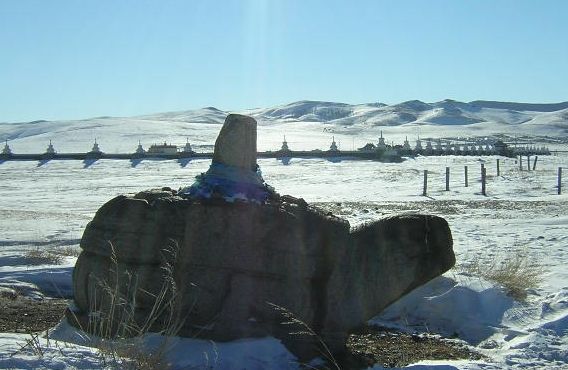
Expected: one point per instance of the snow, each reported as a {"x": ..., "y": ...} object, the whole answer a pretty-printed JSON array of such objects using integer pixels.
[
  {"x": 352, "y": 125},
  {"x": 67, "y": 349},
  {"x": 48, "y": 204}
]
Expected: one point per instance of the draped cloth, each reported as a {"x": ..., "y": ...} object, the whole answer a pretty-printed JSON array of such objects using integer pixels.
[{"x": 230, "y": 183}]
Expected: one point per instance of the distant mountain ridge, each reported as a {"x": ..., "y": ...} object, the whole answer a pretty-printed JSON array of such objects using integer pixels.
[
  {"x": 543, "y": 107},
  {"x": 413, "y": 118},
  {"x": 446, "y": 112}
]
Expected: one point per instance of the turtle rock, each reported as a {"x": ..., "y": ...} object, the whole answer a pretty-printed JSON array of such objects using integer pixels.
[{"x": 228, "y": 258}]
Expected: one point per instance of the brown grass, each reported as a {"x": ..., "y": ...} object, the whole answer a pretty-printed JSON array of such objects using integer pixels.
[
  {"x": 120, "y": 334},
  {"x": 300, "y": 328},
  {"x": 43, "y": 256},
  {"x": 515, "y": 272}
]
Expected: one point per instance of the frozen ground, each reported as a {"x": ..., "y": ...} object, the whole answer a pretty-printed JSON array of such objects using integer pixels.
[{"x": 47, "y": 205}]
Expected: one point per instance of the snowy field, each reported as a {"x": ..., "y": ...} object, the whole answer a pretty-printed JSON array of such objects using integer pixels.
[{"x": 47, "y": 205}]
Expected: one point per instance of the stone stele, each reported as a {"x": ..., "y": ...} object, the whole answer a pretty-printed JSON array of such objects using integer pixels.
[
  {"x": 236, "y": 143},
  {"x": 223, "y": 270}
]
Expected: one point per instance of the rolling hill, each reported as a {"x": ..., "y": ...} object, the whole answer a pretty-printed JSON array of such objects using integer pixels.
[{"x": 306, "y": 124}]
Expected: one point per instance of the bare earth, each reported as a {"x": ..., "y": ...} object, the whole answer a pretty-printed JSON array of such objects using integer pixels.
[
  {"x": 366, "y": 347},
  {"x": 390, "y": 348},
  {"x": 23, "y": 315}
]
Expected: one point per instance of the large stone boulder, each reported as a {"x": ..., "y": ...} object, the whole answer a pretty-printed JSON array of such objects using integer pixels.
[{"x": 223, "y": 268}]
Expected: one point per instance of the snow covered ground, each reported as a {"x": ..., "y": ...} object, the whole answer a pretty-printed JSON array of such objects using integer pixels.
[{"x": 48, "y": 204}]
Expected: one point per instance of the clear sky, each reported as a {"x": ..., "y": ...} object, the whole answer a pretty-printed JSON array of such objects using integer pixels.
[{"x": 77, "y": 59}]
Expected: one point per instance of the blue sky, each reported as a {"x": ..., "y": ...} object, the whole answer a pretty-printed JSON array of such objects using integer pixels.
[{"x": 76, "y": 59}]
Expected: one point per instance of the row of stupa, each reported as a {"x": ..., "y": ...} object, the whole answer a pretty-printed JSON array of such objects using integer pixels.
[
  {"x": 154, "y": 149},
  {"x": 332, "y": 148},
  {"x": 498, "y": 147}
]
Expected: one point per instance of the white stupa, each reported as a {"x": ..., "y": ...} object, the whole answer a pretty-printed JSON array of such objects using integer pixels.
[
  {"x": 406, "y": 145},
  {"x": 6, "y": 150},
  {"x": 187, "y": 147},
  {"x": 139, "y": 149},
  {"x": 381, "y": 144},
  {"x": 333, "y": 146},
  {"x": 50, "y": 150},
  {"x": 95, "y": 148},
  {"x": 418, "y": 146},
  {"x": 284, "y": 147}
]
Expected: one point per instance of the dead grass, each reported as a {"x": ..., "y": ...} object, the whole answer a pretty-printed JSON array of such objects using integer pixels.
[
  {"x": 68, "y": 251},
  {"x": 113, "y": 320},
  {"x": 113, "y": 329},
  {"x": 300, "y": 328},
  {"x": 515, "y": 272},
  {"x": 43, "y": 256},
  {"x": 50, "y": 255}
]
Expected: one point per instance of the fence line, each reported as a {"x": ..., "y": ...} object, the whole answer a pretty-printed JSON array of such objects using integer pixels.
[{"x": 483, "y": 173}]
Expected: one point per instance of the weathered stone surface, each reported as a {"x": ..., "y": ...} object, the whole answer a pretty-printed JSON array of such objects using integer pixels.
[
  {"x": 385, "y": 260},
  {"x": 236, "y": 143},
  {"x": 219, "y": 262},
  {"x": 233, "y": 173},
  {"x": 233, "y": 258}
]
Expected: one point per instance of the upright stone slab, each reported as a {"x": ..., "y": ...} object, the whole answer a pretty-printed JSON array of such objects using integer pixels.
[
  {"x": 233, "y": 173},
  {"x": 236, "y": 144}
]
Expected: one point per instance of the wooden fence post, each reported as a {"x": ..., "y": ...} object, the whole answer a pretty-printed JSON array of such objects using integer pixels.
[
  {"x": 534, "y": 165},
  {"x": 498, "y": 168},
  {"x": 559, "y": 180},
  {"x": 465, "y": 176},
  {"x": 447, "y": 178},
  {"x": 520, "y": 162},
  {"x": 483, "y": 179},
  {"x": 528, "y": 162},
  {"x": 425, "y": 191}
]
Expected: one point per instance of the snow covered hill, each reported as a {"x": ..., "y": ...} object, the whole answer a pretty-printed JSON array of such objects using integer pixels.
[
  {"x": 446, "y": 112},
  {"x": 354, "y": 125}
]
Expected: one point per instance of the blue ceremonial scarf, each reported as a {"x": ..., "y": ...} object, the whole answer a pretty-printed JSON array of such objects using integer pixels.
[{"x": 230, "y": 183}]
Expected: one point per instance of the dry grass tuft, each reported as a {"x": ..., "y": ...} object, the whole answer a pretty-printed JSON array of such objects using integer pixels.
[
  {"x": 112, "y": 318},
  {"x": 515, "y": 272},
  {"x": 43, "y": 256},
  {"x": 303, "y": 329},
  {"x": 117, "y": 334},
  {"x": 50, "y": 255},
  {"x": 68, "y": 251}
]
